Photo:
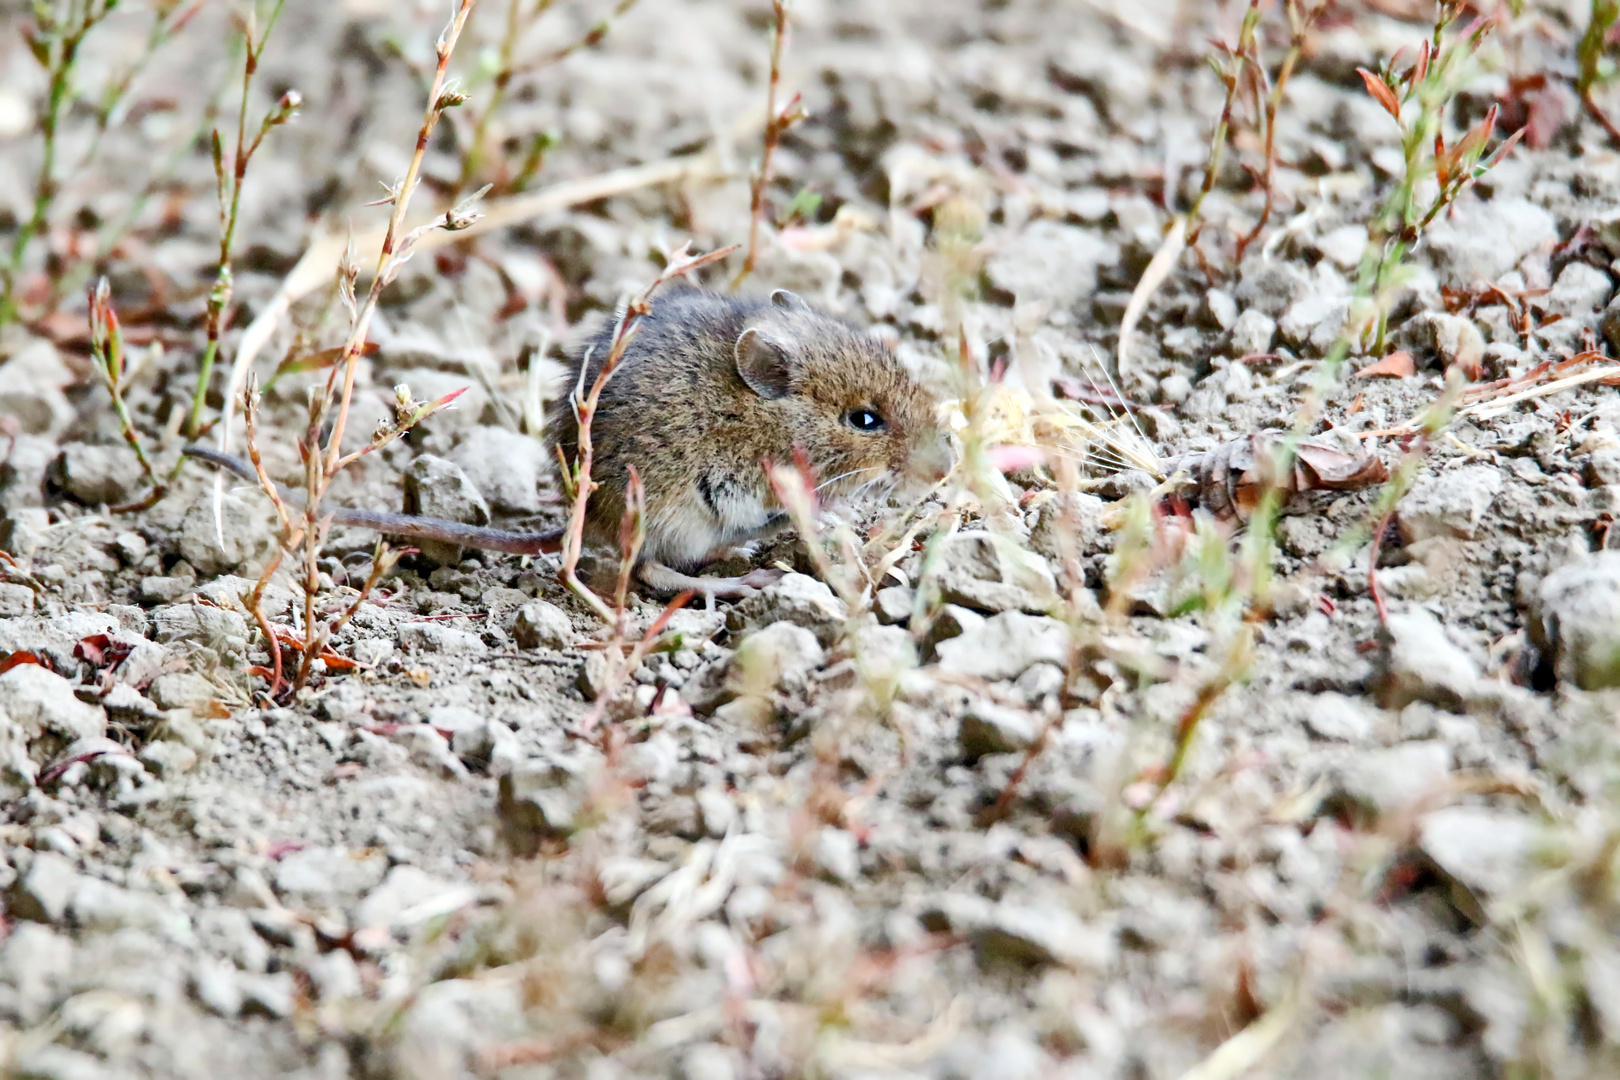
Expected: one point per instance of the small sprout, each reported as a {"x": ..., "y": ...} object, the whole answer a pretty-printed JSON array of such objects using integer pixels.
[
  {"x": 106, "y": 339},
  {"x": 462, "y": 214},
  {"x": 348, "y": 272},
  {"x": 286, "y": 108},
  {"x": 450, "y": 97},
  {"x": 802, "y": 208},
  {"x": 107, "y": 350},
  {"x": 391, "y": 198}
]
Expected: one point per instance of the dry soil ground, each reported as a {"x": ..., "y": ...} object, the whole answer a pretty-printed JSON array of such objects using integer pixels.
[{"x": 887, "y": 841}]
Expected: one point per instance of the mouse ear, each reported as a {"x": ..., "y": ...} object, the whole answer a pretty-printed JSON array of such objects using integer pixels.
[
  {"x": 790, "y": 301},
  {"x": 764, "y": 364}
]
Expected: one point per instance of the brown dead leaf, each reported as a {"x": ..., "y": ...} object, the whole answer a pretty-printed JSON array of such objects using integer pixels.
[
  {"x": 21, "y": 656},
  {"x": 1229, "y": 479},
  {"x": 1397, "y": 365},
  {"x": 1332, "y": 469}
]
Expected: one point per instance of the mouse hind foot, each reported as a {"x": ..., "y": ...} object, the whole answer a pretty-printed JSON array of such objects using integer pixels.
[{"x": 664, "y": 579}]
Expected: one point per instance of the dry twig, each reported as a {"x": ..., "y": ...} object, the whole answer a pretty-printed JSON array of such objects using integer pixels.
[
  {"x": 323, "y": 456},
  {"x": 777, "y": 121}
]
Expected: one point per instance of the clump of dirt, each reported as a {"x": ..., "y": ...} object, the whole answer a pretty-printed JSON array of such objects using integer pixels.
[{"x": 1037, "y": 792}]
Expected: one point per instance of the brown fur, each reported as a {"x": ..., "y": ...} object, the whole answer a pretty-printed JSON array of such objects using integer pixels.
[
  {"x": 699, "y": 430},
  {"x": 679, "y": 410}
]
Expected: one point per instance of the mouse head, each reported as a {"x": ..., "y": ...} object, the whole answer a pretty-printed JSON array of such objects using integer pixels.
[{"x": 848, "y": 402}]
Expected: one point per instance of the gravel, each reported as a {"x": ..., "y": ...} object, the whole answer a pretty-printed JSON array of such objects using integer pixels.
[
  {"x": 1452, "y": 503},
  {"x": 1002, "y": 647},
  {"x": 985, "y": 573},
  {"x": 1577, "y": 620},
  {"x": 39, "y": 701},
  {"x": 438, "y": 488},
  {"x": 984, "y": 810}
]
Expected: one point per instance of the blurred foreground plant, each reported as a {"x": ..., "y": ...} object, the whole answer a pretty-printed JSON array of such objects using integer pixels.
[{"x": 1595, "y": 63}]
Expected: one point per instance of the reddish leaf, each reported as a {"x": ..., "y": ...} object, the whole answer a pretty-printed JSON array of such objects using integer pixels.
[
  {"x": 439, "y": 403},
  {"x": 1397, "y": 365},
  {"x": 90, "y": 649},
  {"x": 282, "y": 848},
  {"x": 335, "y": 662},
  {"x": 1381, "y": 92},
  {"x": 101, "y": 651},
  {"x": 1331, "y": 469},
  {"x": 1500, "y": 152},
  {"x": 315, "y": 361},
  {"x": 1472, "y": 144},
  {"x": 1420, "y": 70},
  {"x": 19, "y": 658}
]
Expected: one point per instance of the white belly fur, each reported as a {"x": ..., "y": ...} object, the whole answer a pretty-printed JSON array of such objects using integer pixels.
[{"x": 685, "y": 533}]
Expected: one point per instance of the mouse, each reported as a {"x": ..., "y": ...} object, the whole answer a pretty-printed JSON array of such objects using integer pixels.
[{"x": 709, "y": 391}]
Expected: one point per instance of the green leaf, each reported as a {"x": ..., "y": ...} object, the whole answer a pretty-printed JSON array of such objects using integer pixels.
[
  {"x": 314, "y": 361},
  {"x": 802, "y": 208}
]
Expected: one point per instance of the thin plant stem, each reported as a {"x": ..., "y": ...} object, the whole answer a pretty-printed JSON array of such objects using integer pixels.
[
  {"x": 56, "y": 43},
  {"x": 578, "y": 478},
  {"x": 107, "y": 351},
  {"x": 1299, "y": 22},
  {"x": 777, "y": 121},
  {"x": 1238, "y": 657},
  {"x": 230, "y": 203},
  {"x": 509, "y": 68},
  {"x": 1231, "y": 76},
  {"x": 437, "y": 103},
  {"x": 323, "y": 457}
]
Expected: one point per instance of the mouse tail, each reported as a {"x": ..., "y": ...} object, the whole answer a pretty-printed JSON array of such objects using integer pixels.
[
  {"x": 474, "y": 536},
  {"x": 406, "y": 525},
  {"x": 224, "y": 461}
]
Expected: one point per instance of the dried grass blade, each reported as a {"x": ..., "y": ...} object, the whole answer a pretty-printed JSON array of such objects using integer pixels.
[{"x": 1158, "y": 269}]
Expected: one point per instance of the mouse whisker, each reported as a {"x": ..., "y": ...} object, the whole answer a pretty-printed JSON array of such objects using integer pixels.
[{"x": 844, "y": 475}]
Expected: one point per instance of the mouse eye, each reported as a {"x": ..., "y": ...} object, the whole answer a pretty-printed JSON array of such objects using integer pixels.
[{"x": 865, "y": 420}]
